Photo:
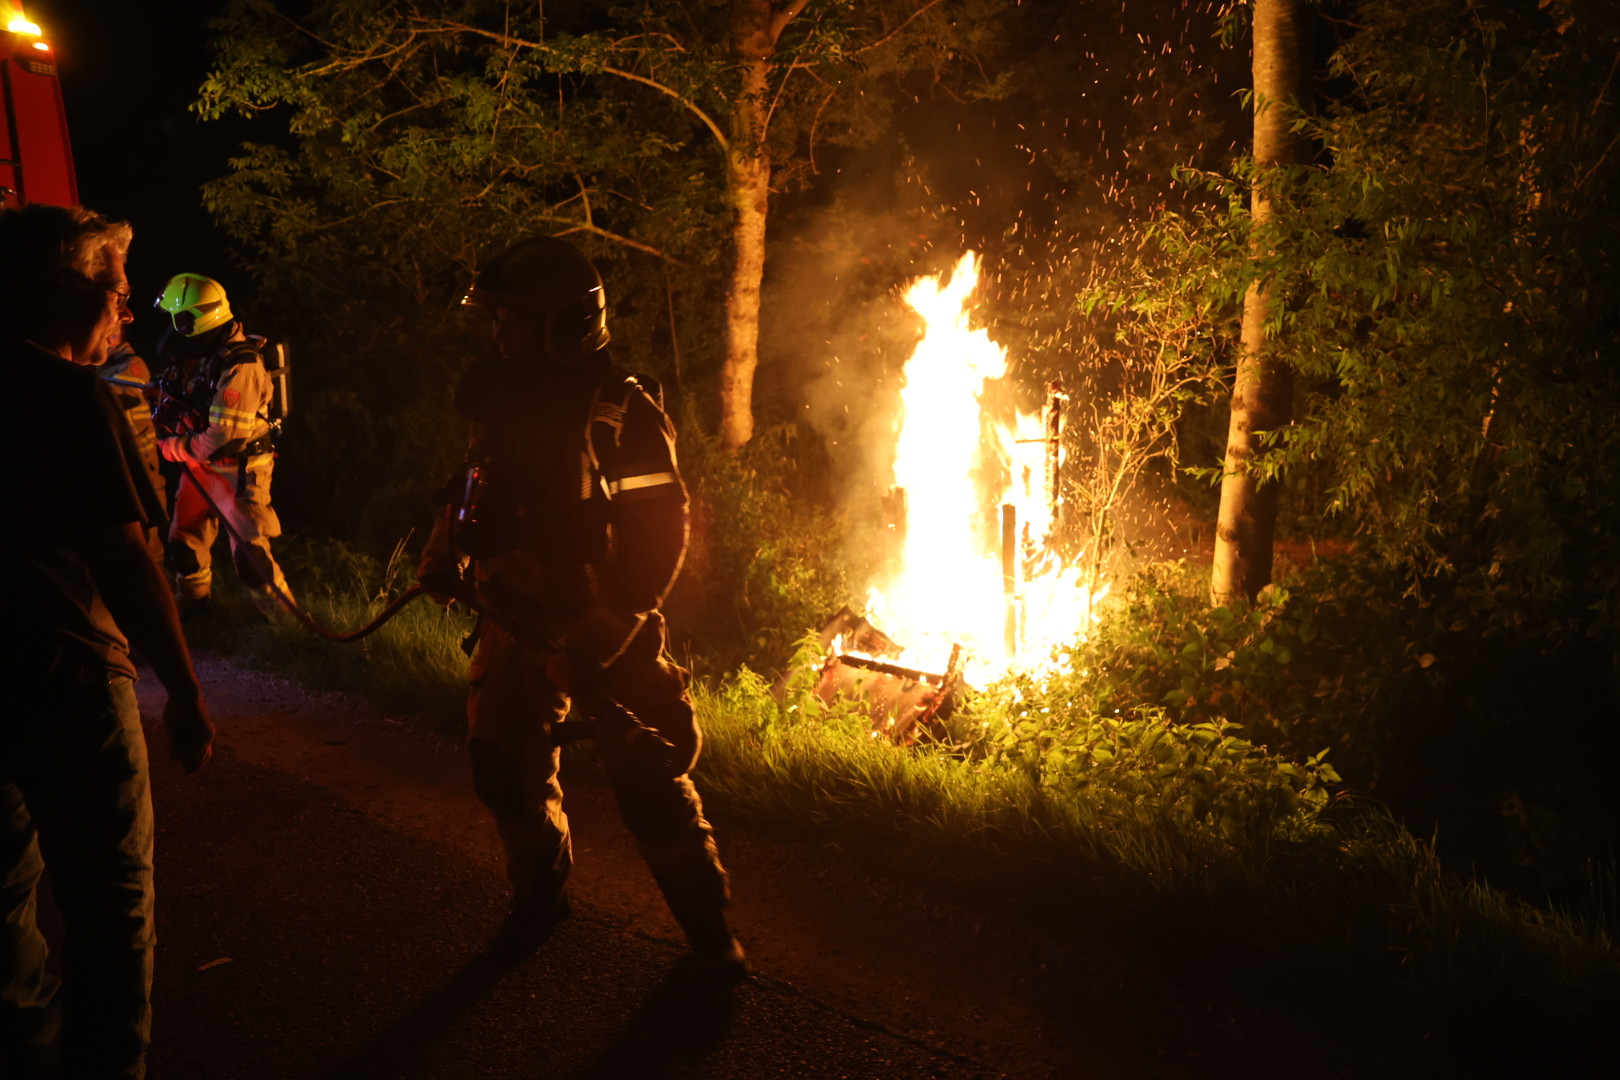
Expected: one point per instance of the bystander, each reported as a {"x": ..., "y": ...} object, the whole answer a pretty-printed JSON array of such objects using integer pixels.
[{"x": 80, "y": 586}]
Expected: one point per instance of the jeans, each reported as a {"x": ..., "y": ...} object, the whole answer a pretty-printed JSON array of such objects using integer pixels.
[{"x": 74, "y": 799}]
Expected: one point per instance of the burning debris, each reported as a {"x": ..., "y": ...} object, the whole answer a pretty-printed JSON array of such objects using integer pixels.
[
  {"x": 982, "y": 566},
  {"x": 862, "y": 664}
]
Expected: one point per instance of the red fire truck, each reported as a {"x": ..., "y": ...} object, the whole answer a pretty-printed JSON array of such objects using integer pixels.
[{"x": 36, "y": 159}]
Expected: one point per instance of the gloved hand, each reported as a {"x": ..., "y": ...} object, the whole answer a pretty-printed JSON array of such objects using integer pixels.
[
  {"x": 444, "y": 584},
  {"x": 173, "y": 449}
]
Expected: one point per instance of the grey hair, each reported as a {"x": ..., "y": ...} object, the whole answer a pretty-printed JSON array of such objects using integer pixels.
[
  {"x": 87, "y": 251},
  {"x": 50, "y": 257},
  {"x": 39, "y": 236}
]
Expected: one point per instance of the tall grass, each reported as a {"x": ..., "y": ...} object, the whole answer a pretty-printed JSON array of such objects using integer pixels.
[
  {"x": 1357, "y": 895},
  {"x": 1161, "y": 835},
  {"x": 414, "y": 664}
]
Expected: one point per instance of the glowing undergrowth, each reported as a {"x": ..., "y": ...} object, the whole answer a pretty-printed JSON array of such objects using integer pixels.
[
  {"x": 1116, "y": 817},
  {"x": 1171, "y": 831}
]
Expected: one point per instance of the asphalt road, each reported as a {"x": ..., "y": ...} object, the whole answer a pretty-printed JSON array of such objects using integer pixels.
[
  {"x": 327, "y": 886},
  {"x": 302, "y": 938}
]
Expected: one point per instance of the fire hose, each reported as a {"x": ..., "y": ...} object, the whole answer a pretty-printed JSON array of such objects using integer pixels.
[
  {"x": 287, "y": 602},
  {"x": 595, "y": 702}
]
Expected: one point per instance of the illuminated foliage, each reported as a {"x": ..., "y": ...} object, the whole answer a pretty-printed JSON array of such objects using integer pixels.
[
  {"x": 425, "y": 132},
  {"x": 1449, "y": 272}
]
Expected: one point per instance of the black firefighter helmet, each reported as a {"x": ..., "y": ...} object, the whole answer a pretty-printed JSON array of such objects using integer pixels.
[{"x": 551, "y": 278}]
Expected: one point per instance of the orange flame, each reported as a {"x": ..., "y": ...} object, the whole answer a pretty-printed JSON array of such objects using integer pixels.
[{"x": 951, "y": 587}]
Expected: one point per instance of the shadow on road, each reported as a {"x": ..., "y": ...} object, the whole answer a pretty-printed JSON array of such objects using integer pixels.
[
  {"x": 684, "y": 1018},
  {"x": 398, "y": 1048}
]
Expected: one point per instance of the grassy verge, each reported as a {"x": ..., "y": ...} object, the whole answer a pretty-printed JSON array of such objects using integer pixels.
[
  {"x": 413, "y": 665},
  {"x": 1350, "y": 898},
  {"x": 1191, "y": 839}
]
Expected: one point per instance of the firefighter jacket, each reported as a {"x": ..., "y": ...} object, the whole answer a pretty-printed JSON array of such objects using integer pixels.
[
  {"x": 130, "y": 378},
  {"x": 238, "y": 391},
  {"x": 578, "y": 524}
]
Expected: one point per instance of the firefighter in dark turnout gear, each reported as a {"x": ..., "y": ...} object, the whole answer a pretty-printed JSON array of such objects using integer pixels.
[
  {"x": 568, "y": 527},
  {"x": 215, "y": 416}
]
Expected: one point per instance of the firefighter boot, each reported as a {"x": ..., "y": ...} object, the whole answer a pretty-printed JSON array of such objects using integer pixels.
[
  {"x": 529, "y": 923},
  {"x": 717, "y": 950},
  {"x": 192, "y": 592}
]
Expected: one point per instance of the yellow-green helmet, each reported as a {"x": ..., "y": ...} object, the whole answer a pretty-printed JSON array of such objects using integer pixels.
[{"x": 195, "y": 304}]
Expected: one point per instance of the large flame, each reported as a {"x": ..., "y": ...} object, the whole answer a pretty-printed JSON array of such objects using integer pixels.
[{"x": 950, "y": 588}]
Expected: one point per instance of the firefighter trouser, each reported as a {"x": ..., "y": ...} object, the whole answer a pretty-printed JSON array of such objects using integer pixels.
[
  {"x": 243, "y": 499},
  {"x": 511, "y": 710}
]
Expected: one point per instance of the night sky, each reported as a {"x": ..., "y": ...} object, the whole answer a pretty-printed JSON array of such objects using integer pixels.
[{"x": 128, "y": 73}]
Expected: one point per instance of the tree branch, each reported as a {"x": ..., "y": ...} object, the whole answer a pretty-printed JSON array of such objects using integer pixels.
[
  {"x": 890, "y": 36},
  {"x": 617, "y": 238},
  {"x": 780, "y": 19},
  {"x": 511, "y": 41},
  {"x": 685, "y": 102}
]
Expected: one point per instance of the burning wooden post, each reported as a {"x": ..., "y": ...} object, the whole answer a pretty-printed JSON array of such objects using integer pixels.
[
  {"x": 1052, "y": 422},
  {"x": 894, "y": 515},
  {"x": 1009, "y": 574},
  {"x": 1017, "y": 549}
]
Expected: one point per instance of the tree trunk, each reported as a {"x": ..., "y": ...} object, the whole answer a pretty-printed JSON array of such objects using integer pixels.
[
  {"x": 756, "y": 27},
  {"x": 748, "y": 186},
  {"x": 1263, "y": 392}
]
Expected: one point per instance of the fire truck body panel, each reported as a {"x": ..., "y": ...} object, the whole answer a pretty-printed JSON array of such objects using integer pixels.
[{"x": 36, "y": 156}]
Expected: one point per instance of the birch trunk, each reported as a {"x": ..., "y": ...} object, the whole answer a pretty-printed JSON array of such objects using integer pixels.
[{"x": 1263, "y": 391}]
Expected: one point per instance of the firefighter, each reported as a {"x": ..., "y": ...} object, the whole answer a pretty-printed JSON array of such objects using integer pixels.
[
  {"x": 126, "y": 372},
  {"x": 216, "y": 415},
  {"x": 568, "y": 528}
]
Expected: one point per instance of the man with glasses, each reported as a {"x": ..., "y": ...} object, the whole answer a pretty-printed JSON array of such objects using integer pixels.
[
  {"x": 217, "y": 423},
  {"x": 81, "y": 586}
]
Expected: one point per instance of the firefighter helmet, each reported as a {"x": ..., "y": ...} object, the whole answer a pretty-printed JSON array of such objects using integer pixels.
[
  {"x": 548, "y": 277},
  {"x": 195, "y": 304}
]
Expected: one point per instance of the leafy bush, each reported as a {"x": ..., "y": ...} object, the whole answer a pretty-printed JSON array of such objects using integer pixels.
[
  {"x": 1454, "y": 702},
  {"x": 763, "y": 565},
  {"x": 1201, "y": 775}
]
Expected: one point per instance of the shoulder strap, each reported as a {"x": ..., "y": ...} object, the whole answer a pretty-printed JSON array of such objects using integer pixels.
[
  {"x": 233, "y": 354},
  {"x": 609, "y": 405}
]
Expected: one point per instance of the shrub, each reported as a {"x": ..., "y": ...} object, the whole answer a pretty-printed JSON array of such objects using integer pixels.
[
  {"x": 1457, "y": 702},
  {"x": 762, "y": 566}
]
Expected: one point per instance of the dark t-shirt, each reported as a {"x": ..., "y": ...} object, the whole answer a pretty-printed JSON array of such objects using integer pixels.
[{"x": 80, "y": 475}]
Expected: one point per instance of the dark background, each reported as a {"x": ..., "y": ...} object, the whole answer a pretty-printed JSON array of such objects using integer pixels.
[{"x": 129, "y": 73}]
